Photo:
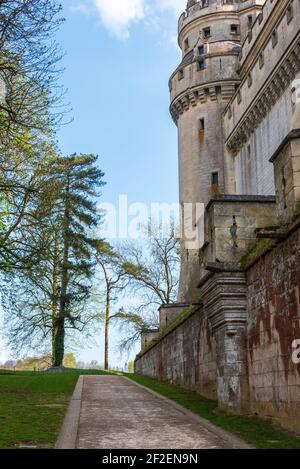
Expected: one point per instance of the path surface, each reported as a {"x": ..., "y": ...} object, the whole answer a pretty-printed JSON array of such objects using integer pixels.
[{"x": 115, "y": 413}]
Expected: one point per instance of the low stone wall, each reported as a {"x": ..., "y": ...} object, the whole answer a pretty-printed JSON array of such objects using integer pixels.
[
  {"x": 185, "y": 357},
  {"x": 195, "y": 355},
  {"x": 273, "y": 291}
]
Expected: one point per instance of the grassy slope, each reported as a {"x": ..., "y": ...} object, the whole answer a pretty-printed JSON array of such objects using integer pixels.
[
  {"x": 252, "y": 430},
  {"x": 25, "y": 418}
]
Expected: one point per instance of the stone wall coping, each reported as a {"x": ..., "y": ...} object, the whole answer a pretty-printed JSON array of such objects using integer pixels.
[
  {"x": 205, "y": 279},
  {"x": 223, "y": 267},
  {"x": 150, "y": 331},
  {"x": 258, "y": 199},
  {"x": 173, "y": 305},
  {"x": 295, "y": 133},
  {"x": 171, "y": 328},
  {"x": 294, "y": 226}
]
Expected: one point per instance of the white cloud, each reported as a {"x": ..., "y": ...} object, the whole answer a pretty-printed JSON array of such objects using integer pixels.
[
  {"x": 82, "y": 8},
  {"x": 177, "y": 6},
  {"x": 173, "y": 40},
  {"x": 117, "y": 15}
]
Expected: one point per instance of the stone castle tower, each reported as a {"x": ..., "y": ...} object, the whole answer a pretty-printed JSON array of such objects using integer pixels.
[{"x": 210, "y": 35}]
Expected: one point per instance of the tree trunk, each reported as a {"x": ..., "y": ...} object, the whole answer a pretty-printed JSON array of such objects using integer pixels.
[
  {"x": 60, "y": 322},
  {"x": 55, "y": 286},
  {"x": 63, "y": 300},
  {"x": 107, "y": 317},
  {"x": 59, "y": 342}
]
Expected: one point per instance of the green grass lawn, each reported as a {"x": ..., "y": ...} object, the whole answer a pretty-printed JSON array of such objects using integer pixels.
[
  {"x": 253, "y": 430},
  {"x": 33, "y": 406}
]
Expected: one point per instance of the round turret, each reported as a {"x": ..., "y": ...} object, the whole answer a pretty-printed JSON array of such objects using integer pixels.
[{"x": 200, "y": 88}]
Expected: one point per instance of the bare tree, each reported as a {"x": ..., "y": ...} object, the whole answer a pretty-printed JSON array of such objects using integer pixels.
[
  {"x": 153, "y": 273},
  {"x": 115, "y": 280},
  {"x": 153, "y": 267}
]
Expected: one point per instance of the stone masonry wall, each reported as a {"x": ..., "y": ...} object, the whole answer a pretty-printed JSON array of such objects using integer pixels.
[
  {"x": 273, "y": 285},
  {"x": 186, "y": 357}
]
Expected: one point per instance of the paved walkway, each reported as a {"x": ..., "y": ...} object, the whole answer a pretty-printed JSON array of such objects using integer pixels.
[{"x": 110, "y": 412}]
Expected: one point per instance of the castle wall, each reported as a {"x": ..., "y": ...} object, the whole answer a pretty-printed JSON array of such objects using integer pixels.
[
  {"x": 237, "y": 347},
  {"x": 200, "y": 356},
  {"x": 254, "y": 172},
  {"x": 273, "y": 292},
  {"x": 259, "y": 30},
  {"x": 262, "y": 61},
  {"x": 186, "y": 357},
  {"x": 247, "y": 9},
  {"x": 253, "y": 169},
  {"x": 262, "y": 111},
  {"x": 200, "y": 155}
]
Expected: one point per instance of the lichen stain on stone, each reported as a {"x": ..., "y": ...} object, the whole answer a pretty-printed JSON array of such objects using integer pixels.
[
  {"x": 287, "y": 324},
  {"x": 208, "y": 335},
  {"x": 274, "y": 286},
  {"x": 264, "y": 318},
  {"x": 233, "y": 389}
]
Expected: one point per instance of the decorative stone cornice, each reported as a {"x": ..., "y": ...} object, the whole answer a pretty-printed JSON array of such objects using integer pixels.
[
  {"x": 201, "y": 94},
  {"x": 266, "y": 99},
  {"x": 224, "y": 298},
  {"x": 236, "y": 198}
]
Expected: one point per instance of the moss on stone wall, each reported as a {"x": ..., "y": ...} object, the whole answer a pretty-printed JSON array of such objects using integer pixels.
[
  {"x": 297, "y": 211},
  {"x": 181, "y": 318},
  {"x": 254, "y": 251}
]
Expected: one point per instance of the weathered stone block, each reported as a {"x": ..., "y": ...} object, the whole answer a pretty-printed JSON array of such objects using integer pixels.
[
  {"x": 168, "y": 313},
  {"x": 287, "y": 176},
  {"x": 295, "y": 163}
]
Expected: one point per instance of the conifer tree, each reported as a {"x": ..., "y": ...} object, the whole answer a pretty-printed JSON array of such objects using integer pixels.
[
  {"x": 53, "y": 295},
  {"x": 73, "y": 182}
]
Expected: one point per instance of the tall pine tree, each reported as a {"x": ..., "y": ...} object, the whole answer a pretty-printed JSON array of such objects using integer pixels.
[
  {"x": 73, "y": 182},
  {"x": 53, "y": 296}
]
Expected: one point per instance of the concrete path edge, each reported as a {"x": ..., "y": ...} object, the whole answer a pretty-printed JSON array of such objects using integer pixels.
[
  {"x": 67, "y": 438},
  {"x": 229, "y": 438}
]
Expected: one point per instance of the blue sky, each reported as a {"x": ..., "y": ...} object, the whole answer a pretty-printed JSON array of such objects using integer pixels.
[{"x": 119, "y": 56}]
